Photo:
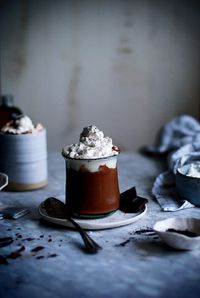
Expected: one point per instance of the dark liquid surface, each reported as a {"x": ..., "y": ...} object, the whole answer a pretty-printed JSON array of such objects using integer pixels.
[{"x": 90, "y": 193}]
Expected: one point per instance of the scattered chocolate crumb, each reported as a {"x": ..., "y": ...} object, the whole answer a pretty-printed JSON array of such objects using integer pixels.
[
  {"x": 59, "y": 245},
  {"x": 9, "y": 229},
  {"x": 37, "y": 248},
  {"x": 3, "y": 260},
  {"x": 5, "y": 241},
  {"x": 52, "y": 256},
  {"x": 39, "y": 257},
  {"x": 41, "y": 236},
  {"x": 61, "y": 240},
  {"x": 29, "y": 239},
  {"x": 49, "y": 235},
  {"x": 123, "y": 243},
  {"x": 19, "y": 236},
  {"x": 147, "y": 231},
  {"x": 16, "y": 254},
  {"x": 49, "y": 240},
  {"x": 18, "y": 228}
]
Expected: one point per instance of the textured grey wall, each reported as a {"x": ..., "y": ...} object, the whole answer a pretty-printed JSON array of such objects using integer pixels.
[{"x": 126, "y": 66}]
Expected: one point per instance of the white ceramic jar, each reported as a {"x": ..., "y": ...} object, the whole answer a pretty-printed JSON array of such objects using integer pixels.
[{"x": 24, "y": 159}]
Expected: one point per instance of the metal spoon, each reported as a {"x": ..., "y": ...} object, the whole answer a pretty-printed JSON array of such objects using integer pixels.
[{"x": 56, "y": 208}]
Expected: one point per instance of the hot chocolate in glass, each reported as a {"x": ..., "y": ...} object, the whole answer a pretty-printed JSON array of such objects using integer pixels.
[{"x": 91, "y": 175}]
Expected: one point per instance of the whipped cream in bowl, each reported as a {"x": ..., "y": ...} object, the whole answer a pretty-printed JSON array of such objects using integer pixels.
[
  {"x": 23, "y": 154},
  {"x": 188, "y": 182},
  {"x": 21, "y": 125}
]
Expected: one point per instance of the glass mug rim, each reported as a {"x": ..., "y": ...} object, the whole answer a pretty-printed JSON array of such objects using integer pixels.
[{"x": 89, "y": 159}]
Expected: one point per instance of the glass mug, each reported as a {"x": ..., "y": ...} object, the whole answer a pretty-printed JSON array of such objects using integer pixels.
[{"x": 92, "y": 189}]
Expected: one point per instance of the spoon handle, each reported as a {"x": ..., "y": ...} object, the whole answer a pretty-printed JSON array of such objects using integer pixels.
[{"x": 90, "y": 245}]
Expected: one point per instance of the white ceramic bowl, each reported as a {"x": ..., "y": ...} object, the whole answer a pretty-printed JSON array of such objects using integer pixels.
[
  {"x": 24, "y": 159},
  {"x": 177, "y": 240}
]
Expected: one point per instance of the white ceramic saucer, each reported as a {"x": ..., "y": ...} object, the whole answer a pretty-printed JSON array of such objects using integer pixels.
[
  {"x": 116, "y": 219},
  {"x": 3, "y": 180}
]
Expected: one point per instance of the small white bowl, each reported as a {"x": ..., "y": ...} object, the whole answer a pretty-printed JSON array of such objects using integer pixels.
[{"x": 177, "y": 240}]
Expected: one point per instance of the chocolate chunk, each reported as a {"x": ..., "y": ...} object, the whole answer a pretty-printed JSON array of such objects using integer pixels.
[
  {"x": 29, "y": 239},
  {"x": 130, "y": 202},
  {"x": 37, "y": 248},
  {"x": 49, "y": 240},
  {"x": 41, "y": 236}
]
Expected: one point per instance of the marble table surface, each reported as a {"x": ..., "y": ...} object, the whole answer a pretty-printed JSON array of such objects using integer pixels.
[{"x": 129, "y": 265}]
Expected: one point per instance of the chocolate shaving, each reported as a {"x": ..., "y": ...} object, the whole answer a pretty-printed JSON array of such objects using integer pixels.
[
  {"x": 5, "y": 241},
  {"x": 16, "y": 254},
  {"x": 37, "y": 248},
  {"x": 39, "y": 257},
  {"x": 130, "y": 202},
  {"x": 29, "y": 239},
  {"x": 52, "y": 256}
]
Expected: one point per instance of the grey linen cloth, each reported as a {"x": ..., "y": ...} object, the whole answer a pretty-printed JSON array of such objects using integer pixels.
[{"x": 180, "y": 139}]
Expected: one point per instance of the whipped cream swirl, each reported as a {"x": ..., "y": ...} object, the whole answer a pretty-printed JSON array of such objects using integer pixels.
[{"x": 92, "y": 144}]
